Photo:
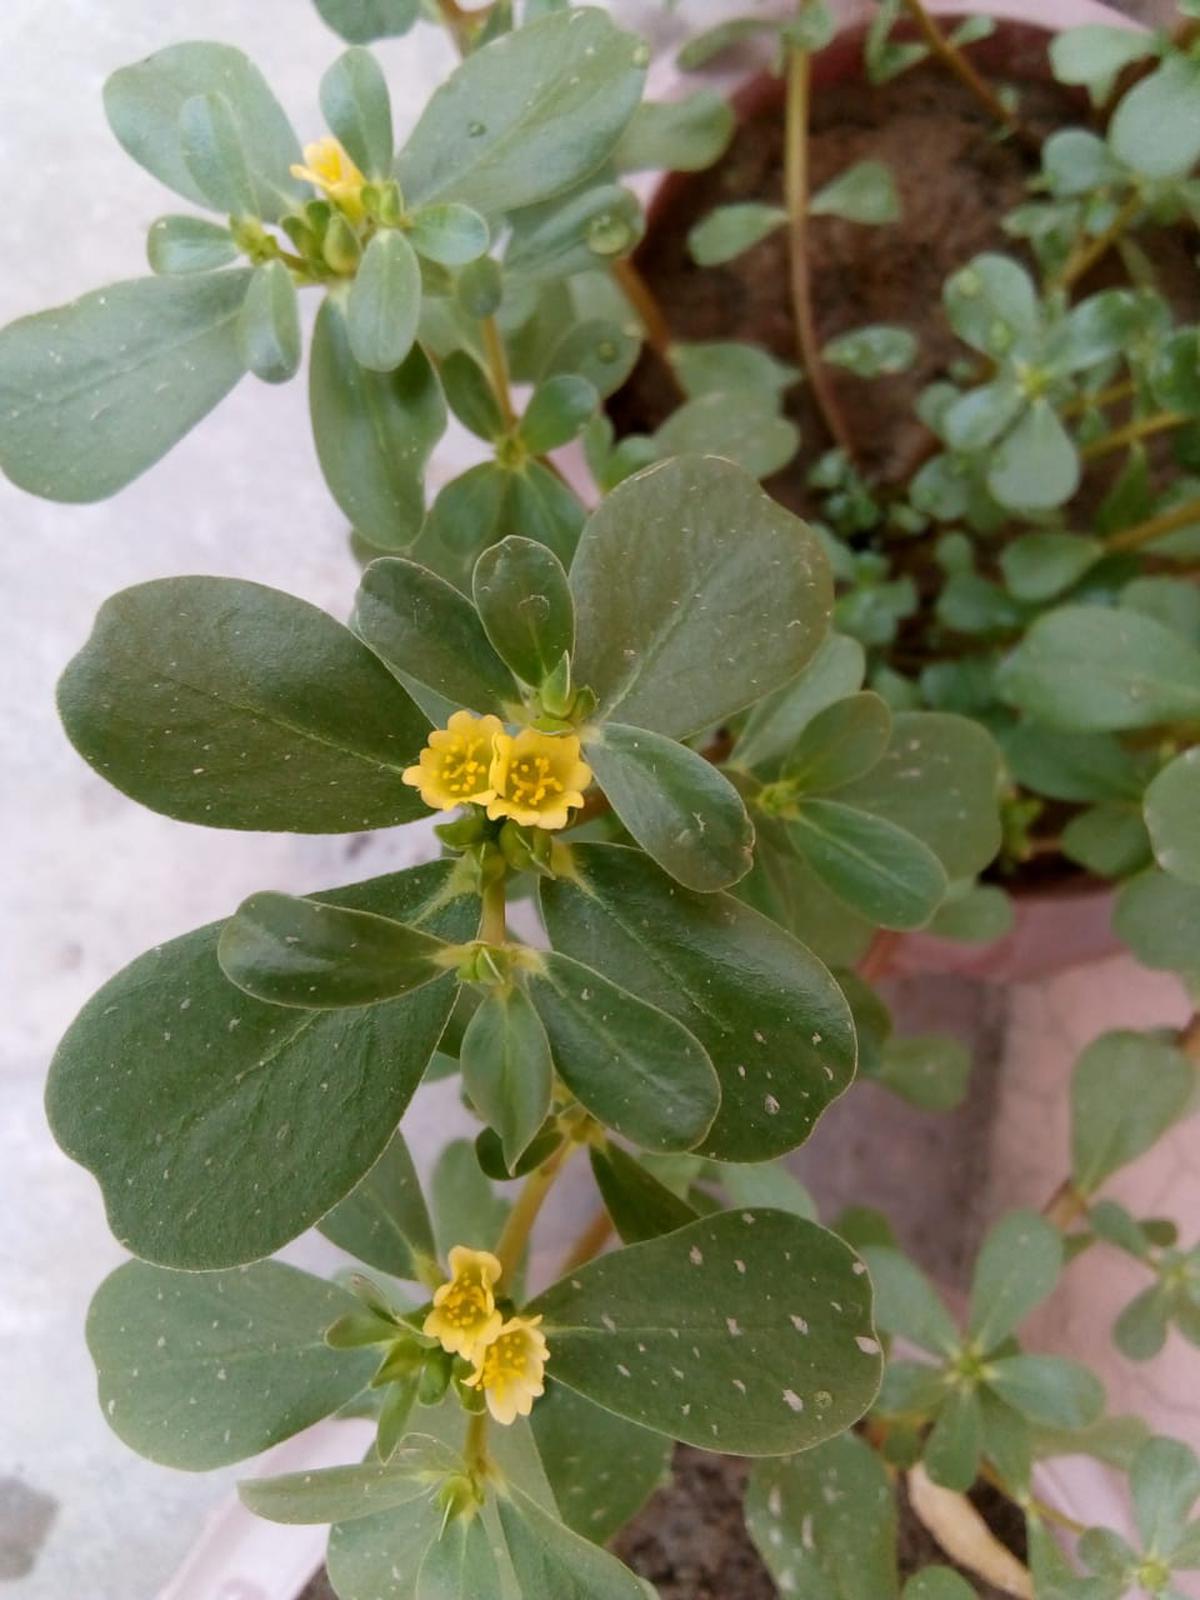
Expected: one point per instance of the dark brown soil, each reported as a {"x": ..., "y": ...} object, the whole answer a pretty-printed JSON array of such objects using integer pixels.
[
  {"x": 955, "y": 180},
  {"x": 690, "y": 1540}
]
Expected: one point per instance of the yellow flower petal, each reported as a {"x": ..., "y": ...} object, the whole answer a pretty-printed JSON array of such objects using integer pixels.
[
  {"x": 464, "y": 1319},
  {"x": 537, "y": 778},
  {"x": 454, "y": 767},
  {"x": 328, "y": 168},
  {"x": 510, "y": 1369}
]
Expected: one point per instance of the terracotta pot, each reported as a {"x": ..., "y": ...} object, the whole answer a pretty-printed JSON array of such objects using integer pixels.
[
  {"x": 1053, "y": 930},
  {"x": 1051, "y": 1010}
]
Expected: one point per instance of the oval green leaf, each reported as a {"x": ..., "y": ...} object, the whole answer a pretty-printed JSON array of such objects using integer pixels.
[
  {"x": 182, "y": 244},
  {"x": 216, "y": 1089},
  {"x": 343, "y": 1494},
  {"x": 828, "y": 1518},
  {"x": 1173, "y": 816},
  {"x": 603, "y": 1468},
  {"x": 383, "y": 1220},
  {"x": 1036, "y": 466},
  {"x": 939, "y": 779},
  {"x": 552, "y": 1562},
  {"x": 684, "y": 135},
  {"x": 1156, "y": 128},
  {"x": 775, "y": 1024},
  {"x": 384, "y": 304},
  {"x": 450, "y": 234},
  {"x": 525, "y": 117},
  {"x": 374, "y": 433},
  {"x": 731, "y": 230},
  {"x": 1127, "y": 1089},
  {"x": 425, "y": 629},
  {"x": 269, "y": 325},
  {"x": 290, "y": 951},
  {"x": 364, "y": 21},
  {"x": 748, "y": 1331},
  {"x": 876, "y": 868},
  {"x": 636, "y": 1069},
  {"x": 1092, "y": 669},
  {"x": 640, "y": 1206},
  {"x": 557, "y": 410},
  {"x": 865, "y": 192},
  {"x": 679, "y": 568},
  {"x": 678, "y": 806},
  {"x": 211, "y": 143},
  {"x": 200, "y": 1369},
  {"x": 229, "y": 704},
  {"x": 143, "y": 103},
  {"x": 507, "y": 1070},
  {"x": 93, "y": 393},
  {"x": 1015, "y": 1270},
  {"x": 842, "y": 742},
  {"x": 1048, "y": 1389},
  {"x": 354, "y": 98},
  {"x": 524, "y": 601}
]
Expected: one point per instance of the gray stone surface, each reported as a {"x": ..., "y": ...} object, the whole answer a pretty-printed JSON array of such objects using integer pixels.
[{"x": 90, "y": 880}]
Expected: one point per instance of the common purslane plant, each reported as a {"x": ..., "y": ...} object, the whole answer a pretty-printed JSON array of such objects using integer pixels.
[{"x": 731, "y": 756}]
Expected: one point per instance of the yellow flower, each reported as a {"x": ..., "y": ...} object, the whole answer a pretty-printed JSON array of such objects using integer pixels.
[
  {"x": 464, "y": 1317},
  {"x": 537, "y": 778},
  {"x": 330, "y": 169},
  {"x": 509, "y": 1369},
  {"x": 455, "y": 765}
]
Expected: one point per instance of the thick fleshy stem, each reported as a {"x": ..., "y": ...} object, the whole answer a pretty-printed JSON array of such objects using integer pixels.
[
  {"x": 799, "y": 77},
  {"x": 460, "y": 24},
  {"x": 497, "y": 365},
  {"x": 514, "y": 1236},
  {"x": 1144, "y": 533},
  {"x": 952, "y": 57},
  {"x": 644, "y": 301},
  {"x": 1142, "y": 428},
  {"x": 493, "y": 926},
  {"x": 1083, "y": 258}
]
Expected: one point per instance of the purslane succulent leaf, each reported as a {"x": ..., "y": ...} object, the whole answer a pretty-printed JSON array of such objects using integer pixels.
[
  {"x": 383, "y": 1220},
  {"x": 635, "y": 1068},
  {"x": 507, "y": 1070},
  {"x": 1015, "y": 1270},
  {"x": 200, "y": 1369},
  {"x": 94, "y": 392},
  {"x": 217, "y": 1088},
  {"x": 525, "y": 117},
  {"x": 229, "y": 704},
  {"x": 770, "y": 1015},
  {"x": 374, "y": 432},
  {"x": 880, "y": 870},
  {"x": 143, "y": 103},
  {"x": 1127, "y": 1089},
  {"x": 680, "y": 567},
  {"x": 293, "y": 951},
  {"x": 681, "y": 810},
  {"x": 1172, "y": 805},
  {"x": 755, "y": 1327},
  {"x": 524, "y": 601},
  {"x": 640, "y": 1206},
  {"x": 602, "y": 1467},
  {"x": 426, "y": 629},
  {"x": 828, "y": 1518}
]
